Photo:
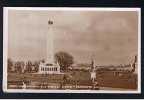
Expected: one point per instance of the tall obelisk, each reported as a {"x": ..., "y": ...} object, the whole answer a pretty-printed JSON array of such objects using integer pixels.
[
  {"x": 49, "y": 43},
  {"x": 49, "y": 67}
]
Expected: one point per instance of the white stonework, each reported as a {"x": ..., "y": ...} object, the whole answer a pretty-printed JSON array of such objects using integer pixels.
[
  {"x": 49, "y": 67},
  {"x": 93, "y": 76},
  {"x": 45, "y": 68},
  {"x": 93, "y": 71}
]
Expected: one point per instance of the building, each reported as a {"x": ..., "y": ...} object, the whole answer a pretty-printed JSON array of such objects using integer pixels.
[
  {"x": 49, "y": 67},
  {"x": 46, "y": 68}
]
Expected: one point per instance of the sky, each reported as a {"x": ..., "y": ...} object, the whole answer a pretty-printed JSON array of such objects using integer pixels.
[{"x": 109, "y": 37}]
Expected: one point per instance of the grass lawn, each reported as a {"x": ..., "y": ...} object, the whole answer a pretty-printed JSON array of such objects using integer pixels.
[{"x": 106, "y": 79}]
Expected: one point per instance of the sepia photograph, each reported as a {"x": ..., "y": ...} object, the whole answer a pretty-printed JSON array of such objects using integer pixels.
[{"x": 71, "y": 50}]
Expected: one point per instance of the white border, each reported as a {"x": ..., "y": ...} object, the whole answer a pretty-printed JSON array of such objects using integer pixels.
[{"x": 5, "y": 48}]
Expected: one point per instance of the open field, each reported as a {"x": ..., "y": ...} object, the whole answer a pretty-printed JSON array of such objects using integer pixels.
[{"x": 74, "y": 78}]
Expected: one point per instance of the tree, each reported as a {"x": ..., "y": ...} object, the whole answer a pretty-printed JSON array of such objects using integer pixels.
[
  {"x": 36, "y": 64},
  {"x": 29, "y": 66},
  {"x": 10, "y": 64},
  {"x": 64, "y": 59}
]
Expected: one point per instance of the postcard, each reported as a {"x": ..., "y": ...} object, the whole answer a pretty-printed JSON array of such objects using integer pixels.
[{"x": 71, "y": 50}]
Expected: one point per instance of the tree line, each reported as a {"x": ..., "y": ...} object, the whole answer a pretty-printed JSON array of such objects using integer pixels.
[{"x": 63, "y": 58}]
